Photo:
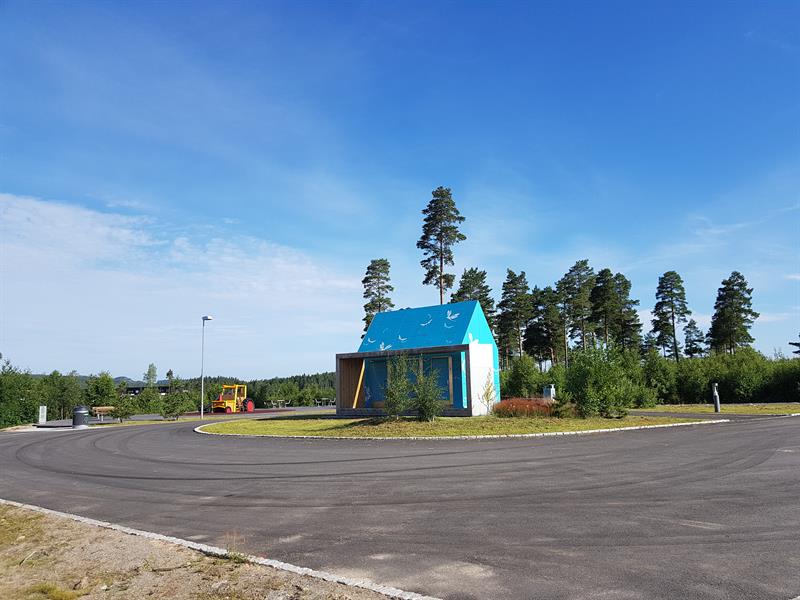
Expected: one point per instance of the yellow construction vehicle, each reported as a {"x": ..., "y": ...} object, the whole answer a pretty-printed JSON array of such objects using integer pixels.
[{"x": 233, "y": 399}]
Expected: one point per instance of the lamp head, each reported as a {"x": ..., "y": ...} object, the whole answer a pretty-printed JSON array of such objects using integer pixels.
[{"x": 208, "y": 318}]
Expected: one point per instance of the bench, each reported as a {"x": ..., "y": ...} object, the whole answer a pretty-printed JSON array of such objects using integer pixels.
[{"x": 101, "y": 411}]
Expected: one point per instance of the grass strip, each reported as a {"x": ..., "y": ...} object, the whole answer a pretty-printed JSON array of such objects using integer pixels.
[
  {"x": 786, "y": 408},
  {"x": 325, "y": 426}
]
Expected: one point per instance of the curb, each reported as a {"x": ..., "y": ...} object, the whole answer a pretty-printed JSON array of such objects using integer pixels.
[
  {"x": 199, "y": 429},
  {"x": 218, "y": 552}
]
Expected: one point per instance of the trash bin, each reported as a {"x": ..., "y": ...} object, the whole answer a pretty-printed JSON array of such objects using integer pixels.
[{"x": 80, "y": 417}]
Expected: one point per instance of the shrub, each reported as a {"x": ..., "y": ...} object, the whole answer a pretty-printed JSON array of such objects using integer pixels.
[
  {"x": 522, "y": 407},
  {"x": 524, "y": 378},
  {"x": 426, "y": 395},
  {"x": 149, "y": 401},
  {"x": 489, "y": 393},
  {"x": 176, "y": 403},
  {"x": 397, "y": 391},
  {"x": 784, "y": 382},
  {"x": 18, "y": 396},
  {"x": 124, "y": 407},
  {"x": 659, "y": 375},
  {"x": 598, "y": 384}
]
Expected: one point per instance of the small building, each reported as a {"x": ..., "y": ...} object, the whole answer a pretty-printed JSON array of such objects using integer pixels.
[{"x": 452, "y": 340}]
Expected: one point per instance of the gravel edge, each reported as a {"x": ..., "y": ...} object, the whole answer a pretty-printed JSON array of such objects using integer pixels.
[{"x": 218, "y": 552}]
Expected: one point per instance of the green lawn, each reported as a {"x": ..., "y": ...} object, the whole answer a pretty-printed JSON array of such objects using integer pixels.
[
  {"x": 735, "y": 409},
  {"x": 444, "y": 426}
]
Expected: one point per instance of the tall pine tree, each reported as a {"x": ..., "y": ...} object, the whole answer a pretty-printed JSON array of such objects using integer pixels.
[
  {"x": 575, "y": 289},
  {"x": 515, "y": 308},
  {"x": 606, "y": 305},
  {"x": 439, "y": 234},
  {"x": 693, "y": 339},
  {"x": 670, "y": 309},
  {"x": 627, "y": 330},
  {"x": 543, "y": 335},
  {"x": 733, "y": 315},
  {"x": 473, "y": 286},
  {"x": 377, "y": 289}
]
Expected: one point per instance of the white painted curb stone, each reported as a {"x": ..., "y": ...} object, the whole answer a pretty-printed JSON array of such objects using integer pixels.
[{"x": 223, "y": 553}]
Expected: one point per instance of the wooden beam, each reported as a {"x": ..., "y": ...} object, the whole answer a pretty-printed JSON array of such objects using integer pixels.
[{"x": 360, "y": 383}]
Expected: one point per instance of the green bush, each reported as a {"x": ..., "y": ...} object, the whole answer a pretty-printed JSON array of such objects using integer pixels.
[
  {"x": 598, "y": 385},
  {"x": 524, "y": 379},
  {"x": 659, "y": 374},
  {"x": 693, "y": 381},
  {"x": 784, "y": 381},
  {"x": 176, "y": 403},
  {"x": 397, "y": 391},
  {"x": 149, "y": 401},
  {"x": 124, "y": 407},
  {"x": 604, "y": 382},
  {"x": 18, "y": 396},
  {"x": 426, "y": 396}
]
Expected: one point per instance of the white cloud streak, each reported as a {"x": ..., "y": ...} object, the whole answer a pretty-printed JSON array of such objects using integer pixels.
[{"x": 96, "y": 290}]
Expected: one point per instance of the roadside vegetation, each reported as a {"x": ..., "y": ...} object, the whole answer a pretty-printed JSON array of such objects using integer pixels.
[
  {"x": 608, "y": 382},
  {"x": 405, "y": 427},
  {"x": 21, "y": 393}
]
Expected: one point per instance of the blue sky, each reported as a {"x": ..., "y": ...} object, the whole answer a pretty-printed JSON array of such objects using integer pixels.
[{"x": 160, "y": 161}]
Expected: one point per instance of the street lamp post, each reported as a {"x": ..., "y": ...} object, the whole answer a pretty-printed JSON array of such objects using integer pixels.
[{"x": 202, "y": 361}]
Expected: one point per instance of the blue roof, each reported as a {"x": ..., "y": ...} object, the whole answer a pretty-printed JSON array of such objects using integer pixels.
[{"x": 425, "y": 327}]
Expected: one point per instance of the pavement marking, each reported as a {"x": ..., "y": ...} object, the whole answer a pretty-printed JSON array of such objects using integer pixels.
[
  {"x": 389, "y": 591},
  {"x": 199, "y": 429}
]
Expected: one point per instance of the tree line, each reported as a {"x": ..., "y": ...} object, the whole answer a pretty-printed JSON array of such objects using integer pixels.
[
  {"x": 583, "y": 309},
  {"x": 21, "y": 393}
]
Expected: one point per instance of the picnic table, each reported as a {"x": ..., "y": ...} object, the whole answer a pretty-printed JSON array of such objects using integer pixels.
[{"x": 101, "y": 411}]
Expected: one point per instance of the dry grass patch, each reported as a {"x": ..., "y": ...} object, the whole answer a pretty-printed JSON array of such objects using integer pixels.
[{"x": 45, "y": 557}]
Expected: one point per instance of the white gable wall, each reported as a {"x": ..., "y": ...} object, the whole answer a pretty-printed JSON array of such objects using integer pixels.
[{"x": 481, "y": 370}]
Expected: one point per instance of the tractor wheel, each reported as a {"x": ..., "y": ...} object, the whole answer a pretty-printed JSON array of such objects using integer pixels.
[
  {"x": 228, "y": 409},
  {"x": 249, "y": 406}
]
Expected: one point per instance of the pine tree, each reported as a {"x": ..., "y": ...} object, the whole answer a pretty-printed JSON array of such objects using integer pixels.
[
  {"x": 627, "y": 330},
  {"x": 670, "y": 309},
  {"x": 606, "y": 305},
  {"x": 150, "y": 376},
  {"x": 733, "y": 315},
  {"x": 439, "y": 234},
  {"x": 376, "y": 289},
  {"x": 515, "y": 308},
  {"x": 575, "y": 289},
  {"x": 693, "y": 339},
  {"x": 473, "y": 286},
  {"x": 544, "y": 330}
]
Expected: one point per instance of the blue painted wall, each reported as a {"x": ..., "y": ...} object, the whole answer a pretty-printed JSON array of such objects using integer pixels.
[
  {"x": 426, "y": 327},
  {"x": 375, "y": 377}
]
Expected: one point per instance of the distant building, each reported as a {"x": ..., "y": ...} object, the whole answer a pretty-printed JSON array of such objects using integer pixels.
[
  {"x": 134, "y": 388},
  {"x": 454, "y": 340}
]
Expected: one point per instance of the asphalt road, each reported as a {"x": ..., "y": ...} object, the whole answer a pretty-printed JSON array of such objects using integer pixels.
[{"x": 709, "y": 511}]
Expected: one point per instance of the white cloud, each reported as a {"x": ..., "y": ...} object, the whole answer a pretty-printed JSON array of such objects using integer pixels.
[
  {"x": 793, "y": 276},
  {"x": 92, "y": 290}
]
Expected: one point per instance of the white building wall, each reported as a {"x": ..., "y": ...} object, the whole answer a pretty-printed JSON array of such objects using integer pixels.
[{"x": 481, "y": 370}]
